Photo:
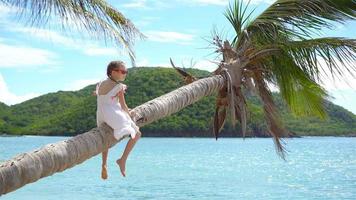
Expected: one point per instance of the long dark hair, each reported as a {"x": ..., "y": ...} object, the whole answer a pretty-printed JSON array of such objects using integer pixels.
[{"x": 113, "y": 65}]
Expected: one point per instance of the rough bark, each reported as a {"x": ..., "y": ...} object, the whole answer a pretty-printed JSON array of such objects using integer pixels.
[{"x": 29, "y": 167}]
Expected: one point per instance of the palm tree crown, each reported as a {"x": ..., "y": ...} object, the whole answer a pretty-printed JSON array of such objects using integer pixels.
[{"x": 277, "y": 47}]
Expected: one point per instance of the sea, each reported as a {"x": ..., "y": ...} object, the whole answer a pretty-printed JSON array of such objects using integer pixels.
[{"x": 200, "y": 168}]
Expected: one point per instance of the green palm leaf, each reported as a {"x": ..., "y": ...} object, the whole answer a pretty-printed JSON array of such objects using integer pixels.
[
  {"x": 300, "y": 18},
  {"x": 303, "y": 95},
  {"x": 238, "y": 18},
  {"x": 338, "y": 54}
]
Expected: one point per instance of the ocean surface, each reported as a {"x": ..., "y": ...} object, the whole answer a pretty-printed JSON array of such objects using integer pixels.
[{"x": 195, "y": 168}]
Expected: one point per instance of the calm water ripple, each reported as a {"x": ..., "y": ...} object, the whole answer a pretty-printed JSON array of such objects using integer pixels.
[{"x": 192, "y": 168}]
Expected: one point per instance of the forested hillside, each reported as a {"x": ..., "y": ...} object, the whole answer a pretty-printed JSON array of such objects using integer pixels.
[{"x": 70, "y": 113}]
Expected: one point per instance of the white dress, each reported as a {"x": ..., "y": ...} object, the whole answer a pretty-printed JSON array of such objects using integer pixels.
[{"x": 109, "y": 111}]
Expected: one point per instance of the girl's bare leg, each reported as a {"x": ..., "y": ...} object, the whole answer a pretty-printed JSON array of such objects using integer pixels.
[
  {"x": 129, "y": 146},
  {"x": 104, "y": 171}
]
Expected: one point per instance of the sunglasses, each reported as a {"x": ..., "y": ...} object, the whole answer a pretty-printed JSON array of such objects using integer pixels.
[{"x": 120, "y": 70}]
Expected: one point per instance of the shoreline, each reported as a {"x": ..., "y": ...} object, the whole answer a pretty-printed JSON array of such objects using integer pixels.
[{"x": 226, "y": 137}]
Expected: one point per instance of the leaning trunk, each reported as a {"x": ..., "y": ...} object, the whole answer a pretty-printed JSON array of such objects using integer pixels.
[{"x": 29, "y": 167}]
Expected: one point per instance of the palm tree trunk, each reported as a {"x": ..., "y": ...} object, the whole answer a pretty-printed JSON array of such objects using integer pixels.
[{"x": 29, "y": 167}]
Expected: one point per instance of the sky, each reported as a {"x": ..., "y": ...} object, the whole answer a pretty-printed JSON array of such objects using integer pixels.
[{"x": 40, "y": 60}]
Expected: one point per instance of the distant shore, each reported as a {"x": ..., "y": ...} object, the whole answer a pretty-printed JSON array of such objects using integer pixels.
[{"x": 295, "y": 136}]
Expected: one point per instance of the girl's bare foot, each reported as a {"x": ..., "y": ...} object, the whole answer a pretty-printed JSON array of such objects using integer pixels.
[
  {"x": 121, "y": 164},
  {"x": 104, "y": 172}
]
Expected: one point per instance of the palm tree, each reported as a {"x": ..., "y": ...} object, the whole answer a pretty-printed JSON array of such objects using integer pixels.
[{"x": 275, "y": 47}]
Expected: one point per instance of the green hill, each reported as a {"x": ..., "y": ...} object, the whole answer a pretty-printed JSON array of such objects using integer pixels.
[{"x": 70, "y": 113}]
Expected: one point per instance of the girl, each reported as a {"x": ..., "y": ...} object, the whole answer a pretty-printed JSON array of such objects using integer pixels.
[{"x": 112, "y": 109}]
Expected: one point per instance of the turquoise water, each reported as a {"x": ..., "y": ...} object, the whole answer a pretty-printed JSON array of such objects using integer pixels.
[{"x": 191, "y": 168}]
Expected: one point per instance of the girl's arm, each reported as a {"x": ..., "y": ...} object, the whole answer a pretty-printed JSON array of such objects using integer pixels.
[{"x": 123, "y": 102}]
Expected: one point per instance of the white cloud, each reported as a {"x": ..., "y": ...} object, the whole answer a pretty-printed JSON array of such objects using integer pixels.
[
  {"x": 145, "y": 21},
  {"x": 87, "y": 48},
  {"x": 211, "y": 2},
  {"x": 154, "y": 4},
  {"x": 146, "y": 4},
  {"x": 256, "y": 2},
  {"x": 345, "y": 83},
  {"x": 10, "y": 98},
  {"x": 180, "y": 61},
  {"x": 136, "y": 4},
  {"x": 71, "y": 39},
  {"x": 50, "y": 69},
  {"x": 143, "y": 63},
  {"x": 206, "y": 65},
  {"x": 4, "y": 11},
  {"x": 12, "y": 56},
  {"x": 98, "y": 51},
  {"x": 48, "y": 35},
  {"x": 169, "y": 37},
  {"x": 344, "y": 98},
  {"x": 80, "y": 84},
  {"x": 225, "y": 2},
  {"x": 187, "y": 61}
]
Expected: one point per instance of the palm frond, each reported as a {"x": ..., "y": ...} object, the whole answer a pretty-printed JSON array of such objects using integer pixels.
[
  {"x": 303, "y": 96},
  {"x": 296, "y": 69},
  {"x": 238, "y": 17},
  {"x": 220, "y": 110},
  {"x": 338, "y": 54},
  {"x": 219, "y": 120},
  {"x": 240, "y": 108},
  {"x": 97, "y": 17},
  {"x": 300, "y": 18},
  {"x": 275, "y": 127}
]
